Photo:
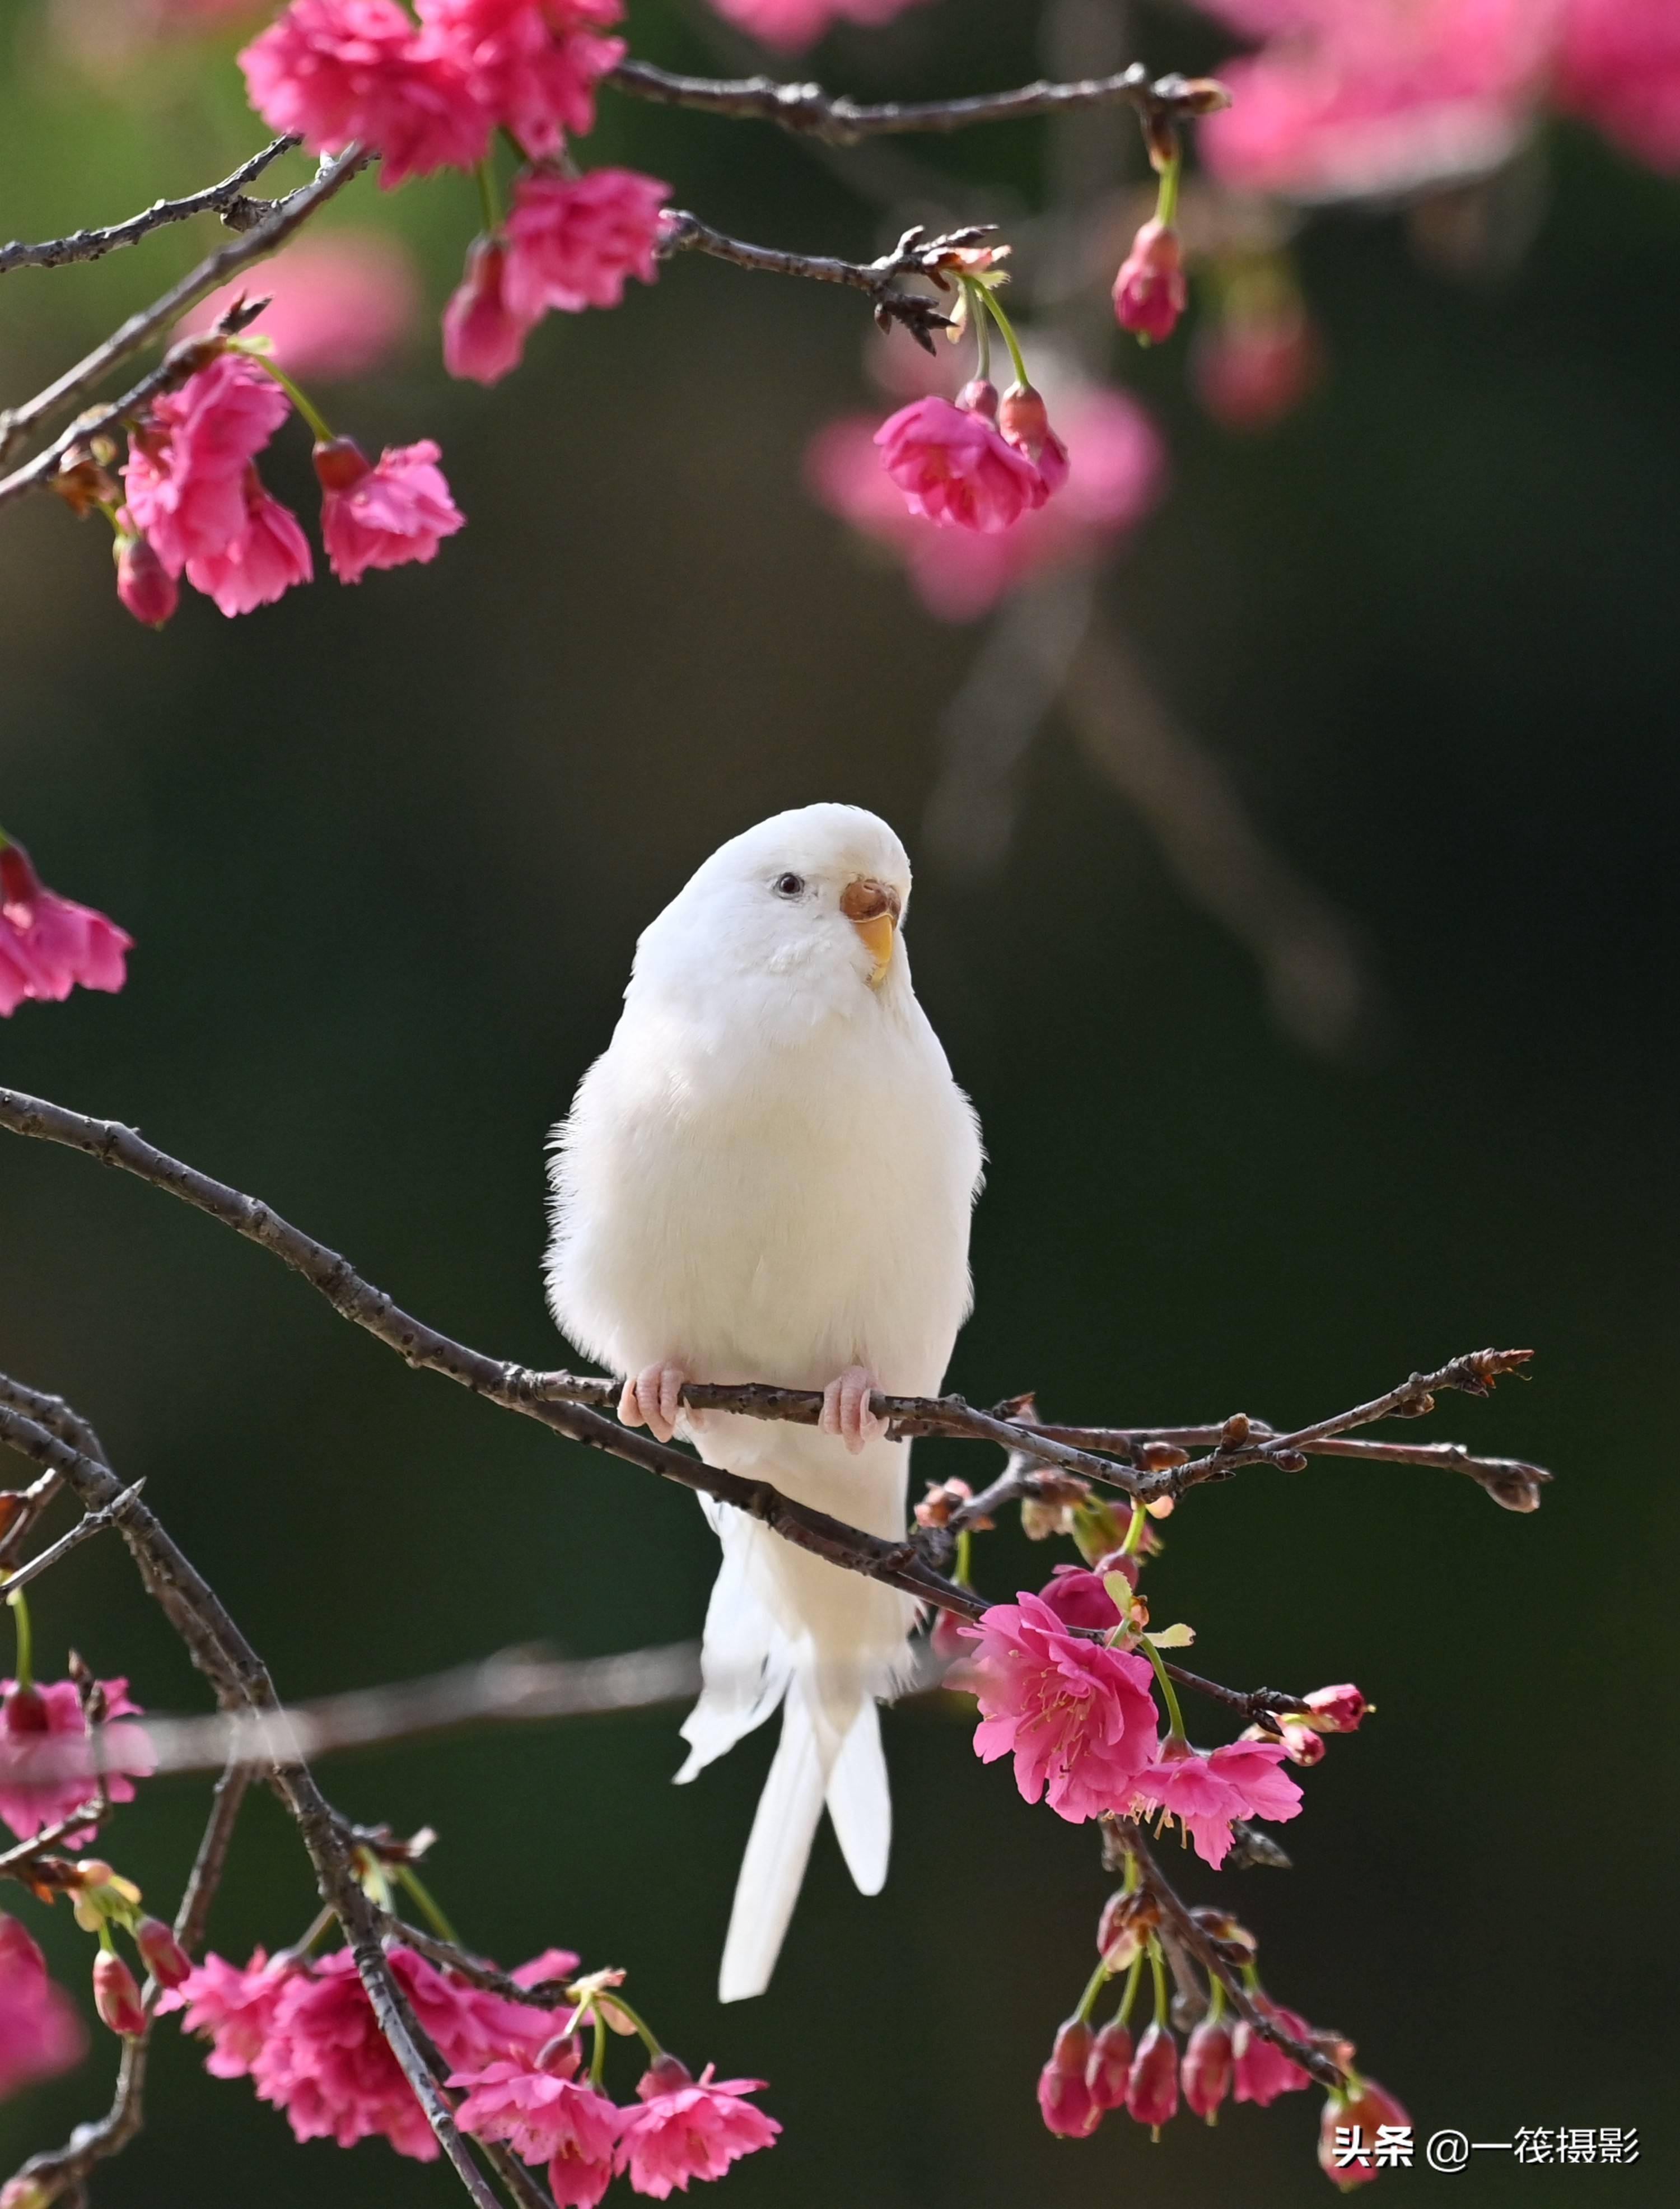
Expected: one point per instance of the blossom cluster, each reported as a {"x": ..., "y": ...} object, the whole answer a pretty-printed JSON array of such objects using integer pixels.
[{"x": 303, "y": 2030}]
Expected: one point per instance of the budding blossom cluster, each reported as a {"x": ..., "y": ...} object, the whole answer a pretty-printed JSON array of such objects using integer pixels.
[{"x": 303, "y": 2030}]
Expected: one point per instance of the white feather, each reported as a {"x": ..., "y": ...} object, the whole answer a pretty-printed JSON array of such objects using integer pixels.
[{"x": 768, "y": 1176}]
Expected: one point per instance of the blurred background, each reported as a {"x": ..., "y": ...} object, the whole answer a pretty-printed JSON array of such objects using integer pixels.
[{"x": 1302, "y": 950}]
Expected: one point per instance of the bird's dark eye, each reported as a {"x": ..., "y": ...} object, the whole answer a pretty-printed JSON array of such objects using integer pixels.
[{"x": 790, "y": 886}]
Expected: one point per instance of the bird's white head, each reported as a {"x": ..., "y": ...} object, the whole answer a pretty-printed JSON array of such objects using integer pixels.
[{"x": 810, "y": 901}]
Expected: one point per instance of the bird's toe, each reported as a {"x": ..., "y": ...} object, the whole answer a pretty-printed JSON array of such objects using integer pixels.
[
  {"x": 846, "y": 1408},
  {"x": 652, "y": 1399}
]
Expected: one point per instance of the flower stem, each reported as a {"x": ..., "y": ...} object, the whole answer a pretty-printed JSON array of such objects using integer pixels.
[
  {"x": 408, "y": 1877},
  {"x": 1134, "y": 1975},
  {"x": 1215, "y": 2001},
  {"x": 1094, "y": 1987},
  {"x": 1157, "y": 1965},
  {"x": 977, "y": 315},
  {"x": 1009, "y": 338},
  {"x": 25, "y": 1668},
  {"x": 1175, "y": 1715},
  {"x": 642, "y": 2027},
  {"x": 964, "y": 1558},
  {"x": 489, "y": 200},
  {"x": 1134, "y": 1526},
  {"x": 1166, "y": 197},
  {"x": 312, "y": 413},
  {"x": 597, "y": 2059}
]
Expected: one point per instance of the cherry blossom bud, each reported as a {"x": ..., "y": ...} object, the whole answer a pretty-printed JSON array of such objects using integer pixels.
[
  {"x": 116, "y": 1996},
  {"x": 482, "y": 337},
  {"x": 162, "y": 1954},
  {"x": 1126, "y": 1923},
  {"x": 1150, "y": 292},
  {"x": 1024, "y": 420},
  {"x": 1152, "y": 2091},
  {"x": 1348, "y": 2131},
  {"x": 1300, "y": 1744},
  {"x": 1336, "y": 1710},
  {"x": 1065, "y": 2100},
  {"x": 144, "y": 585},
  {"x": 23, "y": 1710},
  {"x": 1207, "y": 2069},
  {"x": 340, "y": 463},
  {"x": 1109, "y": 2066},
  {"x": 977, "y": 396}
]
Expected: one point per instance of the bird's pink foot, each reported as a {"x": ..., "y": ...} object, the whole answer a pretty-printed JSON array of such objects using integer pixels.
[
  {"x": 846, "y": 1408},
  {"x": 652, "y": 1399}
]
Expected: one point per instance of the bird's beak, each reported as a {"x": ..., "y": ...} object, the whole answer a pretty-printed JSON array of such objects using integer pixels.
[{"x": 873, "y": 909}]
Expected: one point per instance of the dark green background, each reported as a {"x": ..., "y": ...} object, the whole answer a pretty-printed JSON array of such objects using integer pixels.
[{"x": 386, "y": 852}]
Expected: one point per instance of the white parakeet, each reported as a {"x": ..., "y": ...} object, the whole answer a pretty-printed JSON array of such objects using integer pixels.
[{"x": 768, "y": 1176}]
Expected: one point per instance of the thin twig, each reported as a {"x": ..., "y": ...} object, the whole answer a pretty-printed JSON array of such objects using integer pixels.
[
  {"x": 94, "y": 1522},
  {"x": 808, "y": 111},
  {"x": 227, "y": 199},
  {"x": 683, "y": 232},
  {"x": 285, "y": 217}
]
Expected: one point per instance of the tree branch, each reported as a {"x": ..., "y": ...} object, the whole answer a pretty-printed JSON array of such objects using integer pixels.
[
  {"x": 285, "y": 217},
  {"x": 686, "y": 233},
  {"x": 808, "y": 111},
  {"x": 227, "y": 199}
]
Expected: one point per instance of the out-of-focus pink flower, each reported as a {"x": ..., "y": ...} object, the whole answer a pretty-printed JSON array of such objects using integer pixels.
[
  {"x": 1260, "y": 2071},
  {"x": 1078, "y": 1717},
  {"x": 482, "y": 337},
  {"x": 40, "y": 2034},
  {"x": 1109, "y": 2067},
  {"x": 1065, "y": 2101},
  {"x": 334, "y": 70},
  {"x": 540, "y": 2109},
  {"x": 688, "y": 2127},
  {"x": 382, "y": 514},
  {"x": 1336, "y": 1710},
  {"x": 1348, "y": 2131},
  {"x": 1205, "y": 1792},
  {"x": 185, "y": 475},
  {"x": 144, "y": 585},
  {"x": 231, "y": 2005},
  {"x": 305, "y": 2032},
  {"x": 1252, "y": 370},
  {"x": 117, "y": 1996},
  {"x": 46, "y": 1726},
  {"x": 1206, "y": 2072},
  {"x": 1078, "y": 1599},
  {"x": 1377, "y": 97},
  {"x": 1150, "y": 292},
  {"x": 794, "y": 23},
  {"x": 1620, "y": 67},
  {"x": 531, "y": 64},
  {"x": 270, "y": 554},
  {"x": 1118, "y": 474},
  {"x": 574, "y": 242},
  {"x": 955, "y": 468},
  {"x": 340, "y": 303},
  {"x": 1152, "y": 2091}
]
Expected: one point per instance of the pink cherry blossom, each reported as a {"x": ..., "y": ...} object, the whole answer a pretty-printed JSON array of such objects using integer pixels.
[
  {"x": 1620, "y": 67},
  {"x": 46, "y": 1768},
  {"x": 794, "y": 23},
  {"x": 1077, "y": 1717},
  {"x": 40, "y": 2033},
  {"x": 688, "y": 2127},
  {"x": 1078, "y": 1599},
  {"x": 334, "y": 70},
  {"x": 186, "y": 476},
  {"x": 1118, "y": 474},
  {"x": 1363, "y": 2109},
  {"x": 305, "y": 2032},
  {"x": 267, "y": 556},
  {"x": 542, "y": 2110},
  {"x": 1205, "y": 2073},
  {"x": 117, "y": 1996},
  {"x": 1336, "y": 1710},
  {"x": 1150, "y": 292},
  {"x": 955, "y": 468},
  {"x": 339, "y": 304},
  {"x": 1377, "y": 97},
  {"x": 1206, "y": 1791},
  {"x": 231, "y": 2005},
  {"x": 144, "y": 585},
  {"x": 382, "y": 514},
  {"x": 574, "y": 242},
  {"x": 482, "y": 337},
  {"x": 1109, "y": 2067},
  {"x": 1260, "y": 2071},
  {"x": 531, "y": 64}
]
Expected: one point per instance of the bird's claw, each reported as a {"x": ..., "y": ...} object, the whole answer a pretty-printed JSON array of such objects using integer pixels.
[
  {"x": 653, "y": 1398},
  {"x": 846, "y": 1408}
]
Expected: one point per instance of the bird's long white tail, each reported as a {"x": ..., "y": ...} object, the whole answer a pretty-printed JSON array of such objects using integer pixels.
[{"x": 812, "y": 1765}]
